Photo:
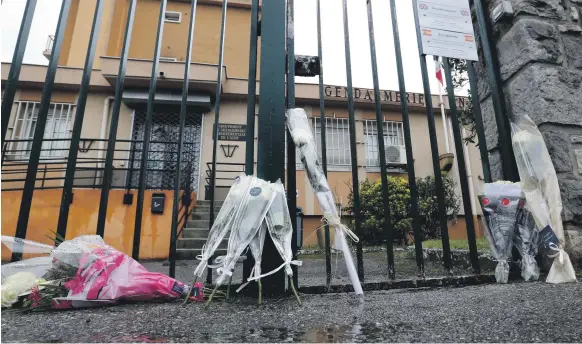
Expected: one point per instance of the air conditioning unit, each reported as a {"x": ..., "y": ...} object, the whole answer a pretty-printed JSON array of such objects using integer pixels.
[{"x": 395, "y": 156}]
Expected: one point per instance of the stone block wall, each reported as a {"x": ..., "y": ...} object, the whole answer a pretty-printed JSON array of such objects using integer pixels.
[{"x": 540, "y": 58}]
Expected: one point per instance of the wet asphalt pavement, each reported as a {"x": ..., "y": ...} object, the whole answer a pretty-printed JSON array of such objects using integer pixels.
[{"x": 518, "y": 312}]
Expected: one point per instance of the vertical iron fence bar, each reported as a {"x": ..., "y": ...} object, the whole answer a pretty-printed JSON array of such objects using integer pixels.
[
  {"x": 407, "y": 136},
  {"x": 147, "y": 132},
  {"x": 216, "y": 122},
  {"x": 271, "y": 126},
  {"x": 251, "y": 110},
  {"x": 108, "y": 168},
  {"x": 252, "y": 91},
  {"x": 500, "y": 109},
  {"x": 28, "y": 190},
  {"x": 469, "y": 220},
  {"x": 381, "y": 152},
  {"x": 479, "y": 122},
  {"x": 66, "y": 197},
  {"x": 353, "y": 147},
  {"x": 16, "y": 65},
  {"x": 291, "y": 161},
  {"x": 217, "y": 110},
  {"x": 183, "y": 113},
  {"x": 440, "y": 190},
  {"x": 322, "y": 129},
  {"x": 131, "y": 163}
]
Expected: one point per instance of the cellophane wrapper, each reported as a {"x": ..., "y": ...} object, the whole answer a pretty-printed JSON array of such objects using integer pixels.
[
  {"x": 501, "y": 204},
  {"x": 223, "y": 222},
  {"x": 103, "y": 275},
  {"x": 527, "y": 241},
  {"x": 302, "y": 135},
  {"x": 245, "y": 225},
  {"x": 542, "y": 191}
]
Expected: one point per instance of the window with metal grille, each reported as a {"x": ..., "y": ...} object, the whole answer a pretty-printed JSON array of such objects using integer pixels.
[
  {"x": 337, "y": 140},
  {"x": 57, "y": 132},
  {"x": 393, "y": 143}
]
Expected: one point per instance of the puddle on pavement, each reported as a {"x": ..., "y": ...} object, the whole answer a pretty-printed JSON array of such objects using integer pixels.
[{"x": 355, "y": 333}]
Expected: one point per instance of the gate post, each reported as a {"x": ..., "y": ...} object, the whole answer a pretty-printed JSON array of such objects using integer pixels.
[{"x": 271, "y": 133}]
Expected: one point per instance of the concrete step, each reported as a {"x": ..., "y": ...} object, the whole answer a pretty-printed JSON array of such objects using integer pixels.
[
  {"x": 191, "y": 233},
  {"x": 198, "y": 243},
  {"x": 201, "y": 224},
  {"x": 200, "y": 215},
  {"x": 189, "y": 253},
  {"x": 205, "y": 210},
  {"x": 207, "y": 203}
]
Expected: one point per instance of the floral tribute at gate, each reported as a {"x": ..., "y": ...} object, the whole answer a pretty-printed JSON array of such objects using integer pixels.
[{"x": 83, "y": 272}]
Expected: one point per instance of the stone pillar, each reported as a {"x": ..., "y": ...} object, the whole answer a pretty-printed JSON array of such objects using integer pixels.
[{"x": 540, "y": 58}]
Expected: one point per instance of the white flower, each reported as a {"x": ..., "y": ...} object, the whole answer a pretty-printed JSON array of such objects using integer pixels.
[{"x": 16, "y": 284}]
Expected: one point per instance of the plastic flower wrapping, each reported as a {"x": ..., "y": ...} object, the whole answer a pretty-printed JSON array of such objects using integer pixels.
[
  {"x": 501, "y": 204},
  {"x": 82, "y": 272},
  {"x": 300, "y": 130},
  {"x": 527, "y": 241},
  {"x": 252, "y": 208},
  {"x": 542, "y": 191}
]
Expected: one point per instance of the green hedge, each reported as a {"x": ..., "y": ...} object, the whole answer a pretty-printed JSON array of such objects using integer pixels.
[{"x": 372, "y": 208}]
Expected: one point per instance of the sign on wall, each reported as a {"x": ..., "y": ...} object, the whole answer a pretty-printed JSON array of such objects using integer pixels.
[
  {"x": 232, "y": 132},
  {"x": 446, "y": 28}
]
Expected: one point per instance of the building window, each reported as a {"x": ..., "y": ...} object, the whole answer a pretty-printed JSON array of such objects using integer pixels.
[
  {"x": 57, "y": 131},
  {"x": 168, "y": 59},
  {"x": 337, "y": 140},
  {"x": 173, "y": 17},
  {"x": 393, "y": 143}
]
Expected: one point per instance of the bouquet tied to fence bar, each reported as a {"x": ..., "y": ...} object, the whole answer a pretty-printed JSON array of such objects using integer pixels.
[
  {"x": 300, "y": 130},
  {"x": 542, "y": 191}
]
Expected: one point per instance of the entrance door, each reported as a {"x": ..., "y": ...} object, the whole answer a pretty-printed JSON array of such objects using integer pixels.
[{"x": 162, "y": 152}]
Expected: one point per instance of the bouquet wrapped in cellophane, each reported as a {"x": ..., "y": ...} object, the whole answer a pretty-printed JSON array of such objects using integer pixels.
[
  {"x": 252, "y": 208},
  {"x": 542, "y": 191},
  {"x": 300, "y": 130},
  {"x": 527, "y": 241},
  {"x": 83, "y": 272},
  {"x": 501, "y": 203}
]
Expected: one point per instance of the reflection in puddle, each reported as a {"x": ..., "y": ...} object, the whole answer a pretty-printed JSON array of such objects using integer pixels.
[{"x": 356, "y": 333}]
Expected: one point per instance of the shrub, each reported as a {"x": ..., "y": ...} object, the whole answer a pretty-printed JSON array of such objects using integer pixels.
[{"x": 373, "y": 215}]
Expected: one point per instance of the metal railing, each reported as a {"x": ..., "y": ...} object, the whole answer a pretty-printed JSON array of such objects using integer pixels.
[{"x": 277, "y": 90}]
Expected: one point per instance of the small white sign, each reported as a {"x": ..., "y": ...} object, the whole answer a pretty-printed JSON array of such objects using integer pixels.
[
  {"x": 446, "y": 28},
  {"x": 450, "y": 15},
  {"x": 448, "y": 44}
]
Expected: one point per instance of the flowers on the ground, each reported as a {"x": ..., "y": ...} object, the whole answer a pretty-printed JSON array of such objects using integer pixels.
[
  {"x": 16, "y": 284},
  {"x": 198, "y": 292}
]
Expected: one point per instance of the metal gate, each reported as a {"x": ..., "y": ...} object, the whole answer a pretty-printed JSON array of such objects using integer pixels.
[{"x": 156, "y": 143}]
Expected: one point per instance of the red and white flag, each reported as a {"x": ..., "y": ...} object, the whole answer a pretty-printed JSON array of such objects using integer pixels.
[{"x": 439, "y": 71}]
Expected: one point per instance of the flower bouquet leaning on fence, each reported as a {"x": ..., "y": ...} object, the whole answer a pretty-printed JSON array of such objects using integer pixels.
[
  {"x": 501, "y": 203},
  {"x": 300, "y": 130},
  {"x": 252, "y": 208},
  {"x": 527, "y": 241},
  {"x": 542, "y": 191}
]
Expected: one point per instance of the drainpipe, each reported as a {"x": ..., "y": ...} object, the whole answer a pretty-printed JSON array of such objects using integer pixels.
[{"x": 103, "y": 133}]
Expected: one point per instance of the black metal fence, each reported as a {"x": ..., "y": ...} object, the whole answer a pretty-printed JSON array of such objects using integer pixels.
[{"x": 277, "y": 90}]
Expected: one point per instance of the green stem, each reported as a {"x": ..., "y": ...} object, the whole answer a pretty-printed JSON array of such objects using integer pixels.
[
  {"x": 260, "y": 291},
  {"x": 211, "y": 296},
  {"x": 294, "y": 290},
  {"x": 190, "y": 292}
]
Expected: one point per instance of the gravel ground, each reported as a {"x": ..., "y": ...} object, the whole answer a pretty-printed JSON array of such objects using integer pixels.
[{"x": 518, "y": 312}]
